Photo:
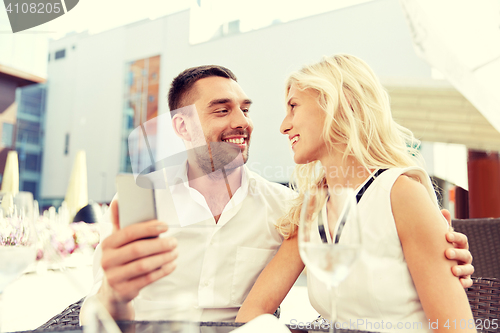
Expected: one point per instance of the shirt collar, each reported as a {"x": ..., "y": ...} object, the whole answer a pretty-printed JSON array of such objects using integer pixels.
[
  {"x": 247, "y": 177},
  {"x": 181, "y": 174}
]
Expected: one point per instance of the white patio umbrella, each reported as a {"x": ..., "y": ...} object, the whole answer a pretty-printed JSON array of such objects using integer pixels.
[
  {"x": 77, "y": 192},
  {"x": 10, "y": 179},
  {"x": 461, "y": 38}
]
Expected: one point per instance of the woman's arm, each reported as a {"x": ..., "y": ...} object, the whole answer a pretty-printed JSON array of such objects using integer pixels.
[
  {"x": 274, "y": 282},
  {"x": 422, "y": 230}
]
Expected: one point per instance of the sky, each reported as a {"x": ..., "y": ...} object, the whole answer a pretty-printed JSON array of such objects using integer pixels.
[{"x": 28, "y": 50}]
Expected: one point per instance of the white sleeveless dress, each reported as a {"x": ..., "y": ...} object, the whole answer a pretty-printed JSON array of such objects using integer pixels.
[{"x": 379, "y": 294}]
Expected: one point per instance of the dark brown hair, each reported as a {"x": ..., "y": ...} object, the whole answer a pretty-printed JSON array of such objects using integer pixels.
[{"x": 182, "y": 84}]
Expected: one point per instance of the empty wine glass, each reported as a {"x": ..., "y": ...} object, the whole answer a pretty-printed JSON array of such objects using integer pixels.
[
  {"x": 17, "y": 237},
  {"x": 329, "y": 237}
]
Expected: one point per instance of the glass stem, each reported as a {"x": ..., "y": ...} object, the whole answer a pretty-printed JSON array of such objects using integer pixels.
[{"x": 333, "y": 299}]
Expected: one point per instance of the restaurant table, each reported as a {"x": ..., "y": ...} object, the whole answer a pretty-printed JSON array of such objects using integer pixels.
[
  {"x": 34, "y": 298},
  {"x": 204, "y": 327},
  {"x": 43, "y": 296}
]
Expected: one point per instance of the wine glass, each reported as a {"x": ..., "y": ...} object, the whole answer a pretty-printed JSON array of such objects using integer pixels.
[
  {"x": 17, "y": 237},
  {"x": 329, "y": 237}
]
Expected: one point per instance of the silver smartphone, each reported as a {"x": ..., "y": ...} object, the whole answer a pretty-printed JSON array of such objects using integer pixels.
[{"x": 135, "y": 204}]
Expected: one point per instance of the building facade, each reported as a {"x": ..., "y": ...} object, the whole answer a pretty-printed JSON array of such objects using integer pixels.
[
  {"x": 29, "y": 131},
  {"x": 10, "y": 80},
  {"x": 100, "y": 86}
]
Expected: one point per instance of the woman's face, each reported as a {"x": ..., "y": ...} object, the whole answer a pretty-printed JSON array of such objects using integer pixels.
[{"x": 304, "y": 125}]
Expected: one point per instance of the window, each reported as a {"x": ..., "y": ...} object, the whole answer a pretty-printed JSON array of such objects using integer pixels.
[
  {"x": 66, "y": 144},
  {"x": 233, "y": 27},
  {"x": 60, "y": 54},
  {"x": 31, "y": 163},
  {"x": 31, "y": 104},
  {"x": 30, "y": 186},
  {"x": 31, "y": 100},
  {"x": 7, "y": 132},
  {"x": 28, "y": 131},
  {"x": 141, "y": 93}
]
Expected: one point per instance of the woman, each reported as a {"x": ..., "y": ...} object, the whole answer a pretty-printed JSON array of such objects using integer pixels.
[{"x": 403, "y": 277}]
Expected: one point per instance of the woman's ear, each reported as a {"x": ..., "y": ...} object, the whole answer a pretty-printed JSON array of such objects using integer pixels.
[{"x": 181, "y": 127}]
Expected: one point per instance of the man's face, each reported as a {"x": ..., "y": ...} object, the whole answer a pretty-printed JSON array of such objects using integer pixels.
[{"x": 223, "y": 109}]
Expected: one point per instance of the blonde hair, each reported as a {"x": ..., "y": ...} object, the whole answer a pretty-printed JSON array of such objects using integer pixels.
[{"x": 358, "y": 116}]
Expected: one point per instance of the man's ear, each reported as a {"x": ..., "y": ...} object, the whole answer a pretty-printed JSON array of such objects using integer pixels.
[{"x": 181, "y": 127}]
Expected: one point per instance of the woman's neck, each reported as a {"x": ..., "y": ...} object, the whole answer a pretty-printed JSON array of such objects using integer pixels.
[{"x": 345, "y": 173}]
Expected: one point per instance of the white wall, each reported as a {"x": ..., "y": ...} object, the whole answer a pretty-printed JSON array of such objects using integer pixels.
[
  {"x": 447, "y": 161},
  {"x": 56, "y": 167},
  {"x": 86, "y": 88},
  {"x": 450, "y": 163}
]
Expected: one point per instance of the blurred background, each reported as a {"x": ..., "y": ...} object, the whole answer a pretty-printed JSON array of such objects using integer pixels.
[
  {"x": 81, "y": 82},
  {"x": 73, "y": 89}
]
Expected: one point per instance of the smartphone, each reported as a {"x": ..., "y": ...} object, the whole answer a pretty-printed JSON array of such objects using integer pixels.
[{"x": 135, "y": 204}]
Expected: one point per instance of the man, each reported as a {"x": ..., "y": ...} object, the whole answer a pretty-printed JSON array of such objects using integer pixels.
[{"x": 228, "y": 211}]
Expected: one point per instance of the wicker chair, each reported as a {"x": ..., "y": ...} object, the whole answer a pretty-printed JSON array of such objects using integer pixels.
[
  {"x": 484, "y": 237},
  {"x": 70, "y": 318},
  {"x": 67, "y": 319},
  {"x": 484, "y": 300}
]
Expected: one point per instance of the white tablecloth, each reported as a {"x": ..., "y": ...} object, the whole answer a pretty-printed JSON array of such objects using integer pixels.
[{"x": 34, "y": 298}]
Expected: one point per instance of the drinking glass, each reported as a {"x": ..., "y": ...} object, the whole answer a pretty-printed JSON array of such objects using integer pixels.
[
  {"x": 329, "y": 237},
  {"x": 17, "y": 237}
]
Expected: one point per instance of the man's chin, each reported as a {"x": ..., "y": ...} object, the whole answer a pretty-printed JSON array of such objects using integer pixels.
[{"x": 245, "y": 156}]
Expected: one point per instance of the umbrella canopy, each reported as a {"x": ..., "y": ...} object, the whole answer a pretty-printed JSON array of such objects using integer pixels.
[
  {"x": 461, "y": 38},
  {"x": 10, "y": 180},
  {"x": 77, "y": 192}
]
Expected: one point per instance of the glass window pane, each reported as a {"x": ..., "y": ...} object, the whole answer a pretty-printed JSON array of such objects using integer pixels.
[{"x": 7, "y": 131}]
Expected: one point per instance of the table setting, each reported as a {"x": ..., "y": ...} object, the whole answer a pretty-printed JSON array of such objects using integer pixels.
[{"x": 41, "y": 254}]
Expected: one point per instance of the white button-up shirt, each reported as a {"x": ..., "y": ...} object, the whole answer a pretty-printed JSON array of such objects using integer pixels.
[{"x": 219, "y": 262}]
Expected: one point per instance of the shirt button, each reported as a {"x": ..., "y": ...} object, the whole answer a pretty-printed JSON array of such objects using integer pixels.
[{"x": 206, "y": 283}]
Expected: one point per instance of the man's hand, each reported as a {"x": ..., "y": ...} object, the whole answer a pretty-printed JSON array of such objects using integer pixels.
[
  {"x": 460, "y": 253},
  {"x": 132, "y": 258}
]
